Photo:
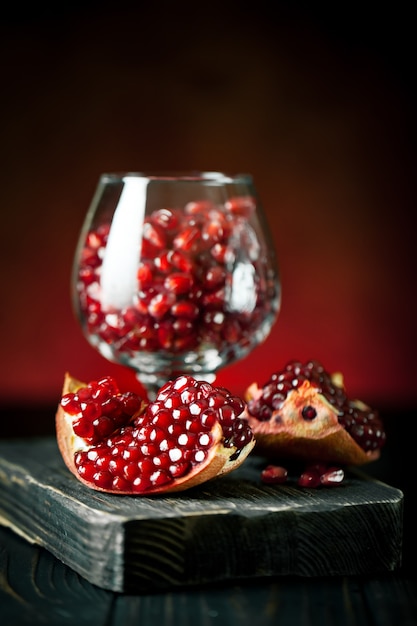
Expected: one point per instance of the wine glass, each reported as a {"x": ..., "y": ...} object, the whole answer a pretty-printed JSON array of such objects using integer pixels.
[{"x": 175, "y": 274}]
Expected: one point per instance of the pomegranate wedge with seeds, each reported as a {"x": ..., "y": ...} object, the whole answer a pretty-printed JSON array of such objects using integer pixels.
[
  {"x": 119, "y": 443},
  {"x": 304, "y": 413}
]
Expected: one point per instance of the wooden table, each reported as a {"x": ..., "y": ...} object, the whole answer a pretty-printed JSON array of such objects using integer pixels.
[{"x": 37, "y": 588}]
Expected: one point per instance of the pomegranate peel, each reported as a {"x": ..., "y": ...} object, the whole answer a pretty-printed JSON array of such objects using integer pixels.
[
  {"x": 303, "y": 413},
  {"x": 191, "y": 433}
]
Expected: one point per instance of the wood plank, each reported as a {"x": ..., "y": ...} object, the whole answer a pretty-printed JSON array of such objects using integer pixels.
[
  {"x": 231, "y": 528},
  {"x": 37, "y": 589}
]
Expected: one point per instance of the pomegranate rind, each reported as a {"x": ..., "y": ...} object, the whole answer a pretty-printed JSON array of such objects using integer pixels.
[
  {"x": 286, "y": 435},
  {"x": 219, "y": 461}
]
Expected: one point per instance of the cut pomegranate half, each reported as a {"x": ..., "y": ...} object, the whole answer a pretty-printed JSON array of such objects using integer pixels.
[
  {"x": 118, "y": 443},
  {"x": 303, "y": 413}
]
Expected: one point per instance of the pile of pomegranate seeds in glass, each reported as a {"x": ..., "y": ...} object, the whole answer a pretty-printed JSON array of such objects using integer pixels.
[{"x": 202, "y": 281}]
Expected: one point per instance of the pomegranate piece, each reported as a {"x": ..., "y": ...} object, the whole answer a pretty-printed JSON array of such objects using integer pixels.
[
  {"x": 118, "y": 443},
  {"x": 303, "y": 413}
]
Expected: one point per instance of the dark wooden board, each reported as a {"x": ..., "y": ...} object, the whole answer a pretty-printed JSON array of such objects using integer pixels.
[
  {"x": 38, "y": 590},
  {"x": 233, "y": 527}
]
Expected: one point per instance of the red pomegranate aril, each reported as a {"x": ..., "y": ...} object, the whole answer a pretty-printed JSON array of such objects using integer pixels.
[
  {"x": 87, "y": 471},
  {"x": 213, "y": 232},
  {"x": 145, "y": 276},
  {"x": 198, "y": 207},
  {"x": 214, "y": 277},
  {"x": 146, "y": 466},
  {"x": 131, "y": 402},
  {"x": 166, "y": 335},
  {"x": 179, "y": 469},
  {"x": 160, "y": 477},
  {"x": 162, "y": 418},
  {"x": 309, "y": 412},
  {"x": 156, "y": 435},
  {"x": 185, "y": 309},
  {"x": 309, "y": 478},
  {"x": 186, "y": 239},
  {"x": 274, "y": 475},
  {"x": 208, "y": 418},
  {"x": 241, "y": 205},
  {"x": 112, "y": 406},
  {"x": 166, "y": 218},
  {"x": 183, "y": 326},
  {"x": 103, "y": 459},
  {"x": 103, "y": 427},
  {"x": 84, "y": 395},
  {"x": 83, "y": 428},
  {"x": 131, "y": 454},
  {"x": 71, "y": 404},
  {"x": 141, "y": 484},
  {"x": 131, "y": 471},
  {"x": 162, "y": 461},
  {"x": 186, "y": 440},
  {"x": 332, "y": 476},
  {"x": 227, "y": 414},
  {"x": 103, "y": 479},
  {"x": 149, "y": 449},
  {"x": 182, "y": 261},
  {"x": 116, "y": 466},
  {"x": 120, "y": 484},
  {"x": 180, "y": 413},
  {"x": 154, "y": 234},
  {"x": 178, "y": 283}
]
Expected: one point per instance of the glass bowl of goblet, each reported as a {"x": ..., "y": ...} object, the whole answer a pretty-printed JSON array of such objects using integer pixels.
[{"x": 175, "y": 273}]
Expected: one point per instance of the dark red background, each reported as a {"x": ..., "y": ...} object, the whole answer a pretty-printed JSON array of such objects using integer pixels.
[{"x": 315, "y": 104}]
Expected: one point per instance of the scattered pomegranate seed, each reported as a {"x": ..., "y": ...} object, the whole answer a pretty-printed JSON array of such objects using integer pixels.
[{"x": 274, "y": 475}]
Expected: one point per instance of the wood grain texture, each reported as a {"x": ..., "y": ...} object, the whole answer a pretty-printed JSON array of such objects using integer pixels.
[
  {"x": 36, "y": 589},
  {"x": 231, "y": 528}
]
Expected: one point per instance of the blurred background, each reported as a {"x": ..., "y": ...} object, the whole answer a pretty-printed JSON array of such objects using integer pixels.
[{"x": 316, "y": 103}]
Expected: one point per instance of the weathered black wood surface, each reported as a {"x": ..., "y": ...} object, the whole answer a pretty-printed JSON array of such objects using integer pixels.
[
  {"x": 231, "y": 528},
  {"x": 38, "y": 590}
]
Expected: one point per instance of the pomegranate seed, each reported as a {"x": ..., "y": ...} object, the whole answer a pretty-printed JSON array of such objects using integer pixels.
[
  {"x": 332, "y": 476},
  {"x": 153, "y": 234},
  {"x": 274, "y": 475},
  {"x": 83, "y": 428},
  {"x": 103, "y": 479},
  {"x": 145, "y": 276},
  {"x": 141, "y": 484},
  {"x": 186, "y": 239},
  {"x": 309, "y": 478},
  {"x": 178, "y": 283},
  {"x": 241, "y": 205},
  {"x": 120, "y": 484},
  {"x": 198, "y": 207},
  {"x": 166, "y": 218},
  {"x": 160, "y": 305},
  {"x": 71, "y": 404},
  {"x": 309, "y": 413}
]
